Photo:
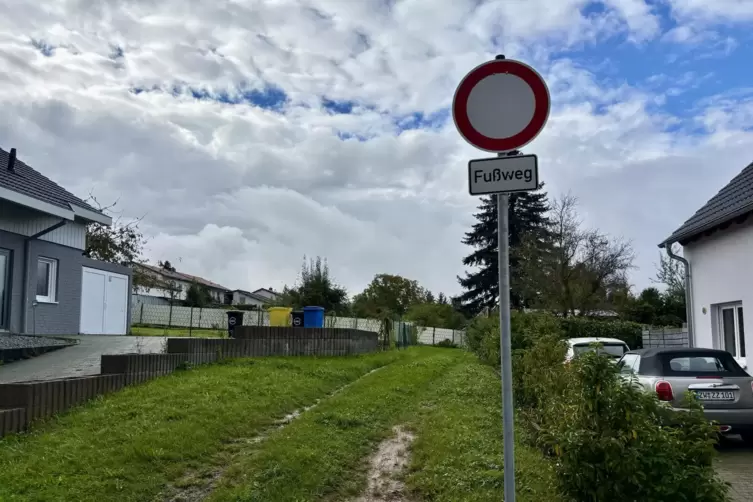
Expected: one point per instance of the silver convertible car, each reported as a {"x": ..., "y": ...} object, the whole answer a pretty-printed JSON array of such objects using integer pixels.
[{"x": 717, "y": 380}]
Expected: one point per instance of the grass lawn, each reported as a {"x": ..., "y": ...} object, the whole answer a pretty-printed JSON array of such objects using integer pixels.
[
  {"x": 198, "y": 333},
  {"x": 457, "y": 453},
  {"x": 446, "y": 397},
  {"x": 196, "y": 429},
  {"x": 128, "y": 446},
  {"x": 321, "y": 454}
]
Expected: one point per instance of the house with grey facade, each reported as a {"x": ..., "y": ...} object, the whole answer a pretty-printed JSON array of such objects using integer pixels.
[
  {"x": 47, "y": 285},
  {"x": 717, "y": 256}
]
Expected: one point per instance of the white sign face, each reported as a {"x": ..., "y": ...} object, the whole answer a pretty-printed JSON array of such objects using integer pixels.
[
  {"x": 501, "y": 105},
  {"x": 519, "y": 173}
]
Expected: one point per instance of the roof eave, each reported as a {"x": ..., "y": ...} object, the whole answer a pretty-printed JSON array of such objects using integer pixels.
[
  {"x": 91, "y": 216},
  {"x": 36, "y": 204},
  {"x": 684, "y": 236}
]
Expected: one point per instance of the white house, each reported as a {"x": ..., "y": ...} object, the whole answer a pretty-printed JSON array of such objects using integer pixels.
[
  {"x": 269, "y": 294},
  {"x": 717, "y": 246},
  {"x": 173, "y": 285},
  {"x": 241, "y": 297}
]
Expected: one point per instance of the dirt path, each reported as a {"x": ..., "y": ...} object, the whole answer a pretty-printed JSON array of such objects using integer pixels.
[
  {"x": 389, "y": 461},
  {"x": 196, "y": 486}
]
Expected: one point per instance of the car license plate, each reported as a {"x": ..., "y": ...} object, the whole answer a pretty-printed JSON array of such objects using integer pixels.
[{"x": 715, "y": 395}]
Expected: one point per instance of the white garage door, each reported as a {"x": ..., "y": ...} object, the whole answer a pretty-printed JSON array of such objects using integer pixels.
[{"x": 104, "y": 303}]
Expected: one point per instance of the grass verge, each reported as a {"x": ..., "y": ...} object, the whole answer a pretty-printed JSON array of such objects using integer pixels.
[
  {"x": 321, "y": 455},
  {"x": 457, "y": 455},
  {"x": 128, "y": 446}
]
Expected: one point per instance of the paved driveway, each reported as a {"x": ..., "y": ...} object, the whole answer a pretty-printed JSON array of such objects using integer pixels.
[
  {"x": 736, "y": 467},
  {"x": 78, "y": 360}
]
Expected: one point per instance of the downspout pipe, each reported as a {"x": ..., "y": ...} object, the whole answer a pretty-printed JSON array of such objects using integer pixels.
[
  {"x": 27, "y": 268},
  {"x": 688, "y": 292}
]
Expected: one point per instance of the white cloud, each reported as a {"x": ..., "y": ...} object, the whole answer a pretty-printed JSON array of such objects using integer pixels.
[
  {"x": 239, "y": 194},
  {"x": 716, "y": 11}
]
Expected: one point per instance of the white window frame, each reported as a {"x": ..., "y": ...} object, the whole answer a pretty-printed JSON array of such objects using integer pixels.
[
  {"x": 735, "y": 308},
  {"x": 52, "y": 279}
]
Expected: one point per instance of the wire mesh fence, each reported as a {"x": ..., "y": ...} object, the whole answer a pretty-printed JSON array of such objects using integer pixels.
[{"x": 172, "y": 320}]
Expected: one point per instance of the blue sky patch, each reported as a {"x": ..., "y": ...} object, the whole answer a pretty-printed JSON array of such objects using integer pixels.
[
  {"x": 46, "y": 49},
  {"x": 269, "y": 98},
  {"x": 338, "y": 107}
]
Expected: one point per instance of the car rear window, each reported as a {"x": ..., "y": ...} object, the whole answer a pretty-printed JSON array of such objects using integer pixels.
[
  {"x": 694, "y": 365},
  {"x": 610, "y": 349}
]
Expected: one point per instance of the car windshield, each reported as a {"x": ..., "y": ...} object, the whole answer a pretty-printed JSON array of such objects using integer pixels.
[
  {"x": 615, "y": 350},
  {"x": 701, "y": 365}
]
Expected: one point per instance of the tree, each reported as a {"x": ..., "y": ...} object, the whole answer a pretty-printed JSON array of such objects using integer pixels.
[
  {"x": 166, "y": 265},
  {"x": 316, "y": 288},
  {"x": 671, "y": 273},
  {"x": 435, "y": 315},
  {"x": 583, "y": 269},
  {"x": 442, "y": 299},
  {"x": 198, "y": 295},
  {"x": 388, "y": 295},
  {"x": 528, "y": 222},
  {"x": 121, "y": 243},
  {"x": 430, "y": 297}
]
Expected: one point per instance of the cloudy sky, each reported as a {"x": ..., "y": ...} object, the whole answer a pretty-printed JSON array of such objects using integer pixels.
[{"x": 249, "y": 133}]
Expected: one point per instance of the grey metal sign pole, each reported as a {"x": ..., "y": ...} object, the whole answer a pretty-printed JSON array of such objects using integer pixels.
[
  {"x": 505, "y": 343},
  {"x": 501, "y": 115}
]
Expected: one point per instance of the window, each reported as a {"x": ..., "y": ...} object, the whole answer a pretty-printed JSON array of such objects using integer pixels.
[
  {"x": 47, "y": 275},
  {"x": 611, "y": 349},
  {"x": 701, "y": 365},
  {"x": 732, "y": 329},
  {"x": 4, "y": 287},
  {"x": 629, "y": 363}
]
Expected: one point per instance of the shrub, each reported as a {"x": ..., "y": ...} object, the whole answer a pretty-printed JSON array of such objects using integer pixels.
[
  {"x": 539, "y": 374},
  {"x": 447, "y": 343},
  {"x": 628, "y": 332},
  {"x": 482, "y": 335},
  {"x": 613, "y": 441}
]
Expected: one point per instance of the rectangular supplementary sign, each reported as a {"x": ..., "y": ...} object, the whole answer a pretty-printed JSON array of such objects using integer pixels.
[{"x": 519, "y": 173}]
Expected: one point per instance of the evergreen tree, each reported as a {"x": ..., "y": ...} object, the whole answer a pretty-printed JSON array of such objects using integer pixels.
[{"x": 528, "y": 220}]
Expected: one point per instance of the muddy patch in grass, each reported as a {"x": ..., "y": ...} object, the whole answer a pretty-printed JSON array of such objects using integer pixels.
[
  {"x": 385, "y": 466},
  {"x": 197, "y": 485}
]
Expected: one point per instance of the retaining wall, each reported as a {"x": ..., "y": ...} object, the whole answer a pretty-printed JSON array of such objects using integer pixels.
[{"x": 257, "y": 341}]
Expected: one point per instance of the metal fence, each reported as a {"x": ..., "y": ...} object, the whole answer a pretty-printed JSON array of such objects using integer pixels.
[
  {"x": 184, "y": 321},
  {"x": 654, "y": 338}
]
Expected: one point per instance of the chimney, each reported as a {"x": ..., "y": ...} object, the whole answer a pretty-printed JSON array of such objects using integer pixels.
[{"x": 12, "y": 160}]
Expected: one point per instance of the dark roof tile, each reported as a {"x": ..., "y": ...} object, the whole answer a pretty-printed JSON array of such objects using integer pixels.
[
  {"x": 26, "y": 181},
  {"x": 732, "y": 201}
]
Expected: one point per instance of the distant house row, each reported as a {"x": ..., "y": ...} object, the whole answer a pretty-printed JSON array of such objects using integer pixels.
[{"x": 165, "y": 285}]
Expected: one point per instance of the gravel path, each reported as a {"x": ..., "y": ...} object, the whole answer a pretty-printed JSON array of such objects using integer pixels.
[{"x": 28, "y": 342}]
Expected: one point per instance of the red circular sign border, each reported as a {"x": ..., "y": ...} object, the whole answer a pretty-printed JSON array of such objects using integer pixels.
[{"x": 540, "y": 113}]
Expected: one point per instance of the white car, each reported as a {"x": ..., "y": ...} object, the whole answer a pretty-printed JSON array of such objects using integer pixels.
[{"x": 610, "y": 346}]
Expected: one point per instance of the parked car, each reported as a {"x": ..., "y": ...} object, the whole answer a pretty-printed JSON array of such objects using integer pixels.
[
  {"x": 717, "y": 380},
  {"x": 610, "y": 346}
]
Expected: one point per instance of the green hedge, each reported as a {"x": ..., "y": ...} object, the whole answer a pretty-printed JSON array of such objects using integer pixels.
[
  {"x": 628, "y": 332},
  {"x": 482, "y": 334}
]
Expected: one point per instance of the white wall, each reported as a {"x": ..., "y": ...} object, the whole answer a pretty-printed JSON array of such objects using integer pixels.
[
  {"x": 24, "y": 221},
  {"x": 266, "y": 294},
  {"x": 721, "y": 268},
  {"x": 241, "y": 299},
  {"x": 164, "y": 293}
]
